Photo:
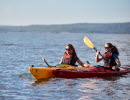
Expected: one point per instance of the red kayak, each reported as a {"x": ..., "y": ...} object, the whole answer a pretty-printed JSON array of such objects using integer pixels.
[{"x": 92, "y": 71}]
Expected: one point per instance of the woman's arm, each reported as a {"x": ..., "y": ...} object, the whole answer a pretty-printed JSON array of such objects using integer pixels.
[
  {"x": 61, "y": 60},
  {"x": 97, "y": 58},
  {"x": 82, "y": 64},
  {"x": 118, "y": 63}
]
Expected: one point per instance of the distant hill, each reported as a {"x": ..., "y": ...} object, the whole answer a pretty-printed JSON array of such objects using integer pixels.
[{"x": 72, "y": 28}]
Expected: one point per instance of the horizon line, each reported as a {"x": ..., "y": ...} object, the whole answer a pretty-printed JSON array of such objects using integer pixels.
[{"x": 72, "y": 23}]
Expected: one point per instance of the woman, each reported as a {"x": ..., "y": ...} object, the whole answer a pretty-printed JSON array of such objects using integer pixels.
[
  {"x": 70, "y": 57},
  {"x": 110, "y": 57}
]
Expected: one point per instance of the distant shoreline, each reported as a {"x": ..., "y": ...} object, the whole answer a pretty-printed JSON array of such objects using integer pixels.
[
  {"x": 72, "y": 28},
  {"x": 69, "y": 23}
]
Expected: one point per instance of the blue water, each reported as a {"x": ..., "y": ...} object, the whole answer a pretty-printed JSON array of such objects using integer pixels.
[{"x": 20, "y": 50}]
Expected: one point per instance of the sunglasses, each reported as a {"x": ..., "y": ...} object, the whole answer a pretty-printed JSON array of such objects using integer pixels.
[
  {"x": 67, "y": 49},
  {"x": 106, "y": 47}
]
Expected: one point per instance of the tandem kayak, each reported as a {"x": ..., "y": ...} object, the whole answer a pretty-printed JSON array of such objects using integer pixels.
[
  {"x": 92, "y": 71},
  {"x": 46, "y": 72}
]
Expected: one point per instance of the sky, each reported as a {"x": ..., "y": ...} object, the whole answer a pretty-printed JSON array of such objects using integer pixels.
[{"x": 46, "y": 12}]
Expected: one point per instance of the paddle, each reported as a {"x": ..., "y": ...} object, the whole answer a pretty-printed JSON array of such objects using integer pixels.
[
  {"x": 44, "y": 60},
  {"x": 91, "y": 45}
]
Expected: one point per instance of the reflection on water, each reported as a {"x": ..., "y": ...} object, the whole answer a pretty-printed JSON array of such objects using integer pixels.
[
  {"x": 40, "y": 82},
  {"x": 18, "y": 51},
  {"x": 95, "y": 90}
]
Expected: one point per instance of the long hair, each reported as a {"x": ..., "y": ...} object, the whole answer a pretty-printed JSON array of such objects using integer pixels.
[
  {"x": 71, "y": 47},
  {"x": 113, "y": 48}
]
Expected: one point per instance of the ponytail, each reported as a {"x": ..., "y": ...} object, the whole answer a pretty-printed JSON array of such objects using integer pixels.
[{"x": 115, "y": 50}]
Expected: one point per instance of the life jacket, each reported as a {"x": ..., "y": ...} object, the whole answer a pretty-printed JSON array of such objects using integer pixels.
[
  {"x": 109, "y": 60},
  {"x": 68, "y": 59}
]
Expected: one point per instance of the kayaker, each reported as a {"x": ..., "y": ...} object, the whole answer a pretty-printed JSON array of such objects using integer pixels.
[
  {"x": 70, "y": 57},
  {"x": 110, "y": 57}
]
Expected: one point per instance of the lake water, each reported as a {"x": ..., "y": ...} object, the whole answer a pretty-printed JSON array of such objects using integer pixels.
[{"x": 20, "y": 50}]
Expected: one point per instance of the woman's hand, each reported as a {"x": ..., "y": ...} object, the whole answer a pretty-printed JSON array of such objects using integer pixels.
[
  {"x": 114, "y": 67},
  {"x": 86, "y": 65},
  {"x": 97, "y": 53},
  {"x": 97, "y": 58}
]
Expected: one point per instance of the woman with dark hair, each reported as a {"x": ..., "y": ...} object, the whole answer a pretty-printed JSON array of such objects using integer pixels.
[
  {"x": 110, "y": 57},
  {"x": 70, "y": 57}
]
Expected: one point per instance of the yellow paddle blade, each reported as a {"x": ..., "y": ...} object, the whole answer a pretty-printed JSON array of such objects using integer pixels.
[{"x": 88, "y": 42}]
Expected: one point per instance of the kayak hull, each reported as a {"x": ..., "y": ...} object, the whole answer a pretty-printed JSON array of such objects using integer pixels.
[
  {"x": 88, "y": 72},
  {"x": 46, "y": 72}
]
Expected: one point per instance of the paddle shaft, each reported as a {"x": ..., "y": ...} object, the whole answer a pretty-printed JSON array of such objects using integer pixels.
[
  {"x": 46, "y": 63},
  {"x": 99, "y": 53},
  {"x": 43, "y": 59}
]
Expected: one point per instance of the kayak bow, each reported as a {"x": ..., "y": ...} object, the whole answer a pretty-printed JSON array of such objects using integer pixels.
[{"x": 46, "y": 72}]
